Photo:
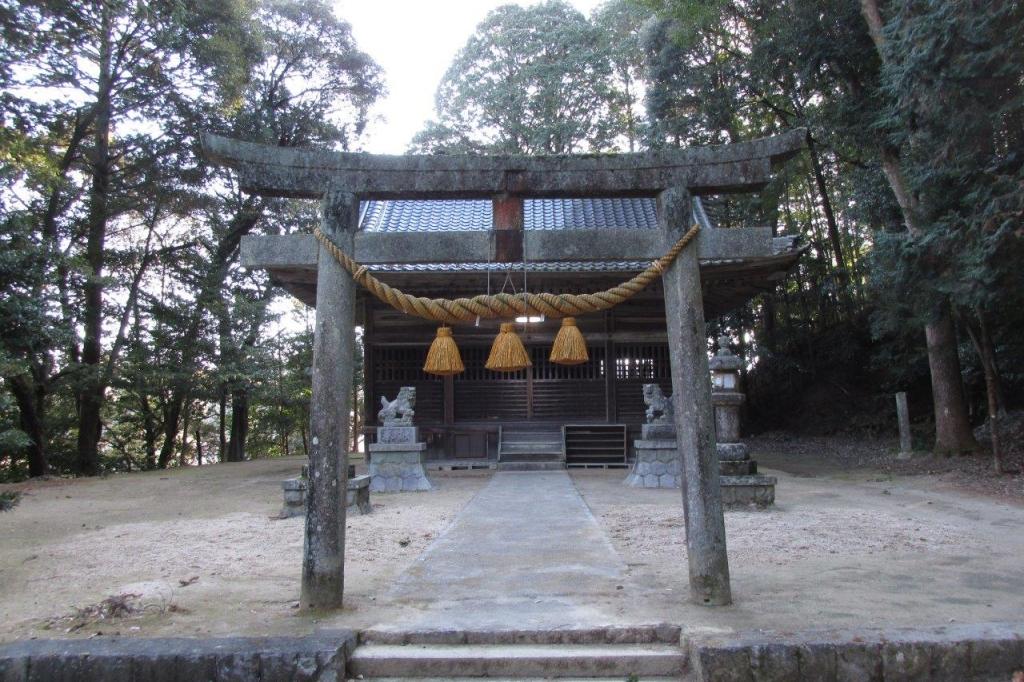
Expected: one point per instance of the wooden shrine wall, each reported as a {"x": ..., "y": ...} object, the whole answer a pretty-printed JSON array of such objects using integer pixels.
[{"x": 546, "y": 392}]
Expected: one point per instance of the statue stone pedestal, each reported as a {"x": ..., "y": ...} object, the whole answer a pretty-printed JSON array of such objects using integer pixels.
[
  {"x": 657, "y": 463},
  {"x": 396, "y": 461}
]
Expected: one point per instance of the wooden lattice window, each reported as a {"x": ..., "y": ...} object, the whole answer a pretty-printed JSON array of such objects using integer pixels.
[
  {"x": 400, "y": 365},
  {"x": 648, "y": 362},
  {"x": 474, "y": 358},
  {"x": 544, "y": 369}
]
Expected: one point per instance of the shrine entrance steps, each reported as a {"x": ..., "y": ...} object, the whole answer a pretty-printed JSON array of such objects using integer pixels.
[
  {"x": 531, "y": 447},
  {"x": 644, "y": 652}
]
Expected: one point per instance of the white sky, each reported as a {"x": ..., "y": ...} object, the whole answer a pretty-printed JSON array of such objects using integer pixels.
[{"x": 414, "y": 41}]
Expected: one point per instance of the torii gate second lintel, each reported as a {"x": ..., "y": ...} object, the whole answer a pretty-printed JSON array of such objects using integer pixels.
[{"x": 341, "y": 180}]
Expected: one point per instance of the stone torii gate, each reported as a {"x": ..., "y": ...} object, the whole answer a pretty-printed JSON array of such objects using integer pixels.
[{"x": 341, "y": 180}]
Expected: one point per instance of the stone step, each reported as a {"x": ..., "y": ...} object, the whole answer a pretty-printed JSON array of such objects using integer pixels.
[
  {"x": 530, "y": 436},
  {"x": 649, "y": 633},
  {"x": 531, "y": 465},
  {"x": 533, "y": 446},
  {"x": 558, "y": 661},
  {"x": 530, "y": 456},
  {"x": 646, "y": 678}
]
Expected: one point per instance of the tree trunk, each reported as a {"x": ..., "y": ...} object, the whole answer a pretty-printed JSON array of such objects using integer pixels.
[
  {"x": 149, "y": 429},
  {"x": 983, "y": 346},
  {"x": 222, "y": 418},
  {"x": 186, "y": 419},
  {"x": 31, "y": 411},
  {"x": 199, "y": 444},
  {"x": 239, "y": 425},
  {"x": 171, "y": 421},
  {"x": 953, "y": 433},
  {"x": 92, "y": 389}
]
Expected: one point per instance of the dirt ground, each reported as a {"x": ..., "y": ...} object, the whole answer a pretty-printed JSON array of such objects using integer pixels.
[
  {"x": 874, "y": 457},
  {"x": 202, "y": 550},
  {"x": 200, "y": 546}
]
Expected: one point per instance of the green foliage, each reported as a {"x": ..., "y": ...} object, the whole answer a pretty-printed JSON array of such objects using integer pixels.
[
  {"x": 529, "y": 81},
  {"x": 956, "y": 102},
  {"x": 183, "y": 325},
  {"x": 948, "y": 101},
  {"x": 191, "y": 360}
]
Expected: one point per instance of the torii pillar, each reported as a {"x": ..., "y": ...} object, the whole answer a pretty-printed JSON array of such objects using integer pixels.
[
  {"x": 694, "y": 414},
  {"x": 323, "y": 563}
]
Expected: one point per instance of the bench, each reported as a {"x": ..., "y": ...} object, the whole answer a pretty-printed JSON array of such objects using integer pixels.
[{"x": 357, "y": 496}]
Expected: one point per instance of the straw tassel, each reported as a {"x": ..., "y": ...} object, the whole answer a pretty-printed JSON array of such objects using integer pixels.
[
  {"x": 508, "y": 353},
  {"x": 443, "y": 358},
  {"x": 569, "y": 348}
]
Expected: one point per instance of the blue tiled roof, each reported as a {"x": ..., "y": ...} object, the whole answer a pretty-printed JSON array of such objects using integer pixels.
[{"x": 453, "y": 215}]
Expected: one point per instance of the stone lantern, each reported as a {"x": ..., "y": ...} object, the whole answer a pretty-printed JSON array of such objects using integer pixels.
[
  {"x": 741, "y": 484},
  {"x": 725, "y": 393}
]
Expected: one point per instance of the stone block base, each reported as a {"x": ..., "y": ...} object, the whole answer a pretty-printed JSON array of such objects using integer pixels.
[
  {"x": 657, "y": 465},
  {"x": 744, "y": 491},
  {"x": 740, "y": 468},
  {"x": 733, "y": 452},
  {"x": 398, "y": 468}
]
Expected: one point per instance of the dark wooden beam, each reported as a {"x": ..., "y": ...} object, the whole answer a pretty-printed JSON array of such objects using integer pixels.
[{"x": 507, "y": 211}]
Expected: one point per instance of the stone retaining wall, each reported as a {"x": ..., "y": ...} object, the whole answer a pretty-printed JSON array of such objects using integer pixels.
[
  {"x": 958, "y": 653},
  {"x": 320, "y": 657},
  {"x": 988, "y": 651}
]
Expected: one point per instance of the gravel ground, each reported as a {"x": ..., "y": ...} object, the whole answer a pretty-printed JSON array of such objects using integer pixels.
[
  {"x": 849, "y": 542},
  {"x": 200, "y": 548},
  {"x": 780, "y": 539},
  {"x": 836, "y": 550}
]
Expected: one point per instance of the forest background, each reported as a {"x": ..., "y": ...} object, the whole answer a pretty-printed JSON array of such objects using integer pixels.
[{"x": 130, "y": 337}]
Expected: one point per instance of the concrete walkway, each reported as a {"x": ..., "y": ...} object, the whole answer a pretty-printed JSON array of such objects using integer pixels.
[{"x": 525, "y": 552}]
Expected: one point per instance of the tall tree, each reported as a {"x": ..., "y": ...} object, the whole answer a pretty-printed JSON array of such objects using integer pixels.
[
  {"x": 620, "y": 25},
  {"x": 131, "y": 238},
  {"x": 530, "y": 80},
  {"x": 816, "y": 65},
  {"x": 953, "y": 432},
  {"x": 120, "y": 61}
]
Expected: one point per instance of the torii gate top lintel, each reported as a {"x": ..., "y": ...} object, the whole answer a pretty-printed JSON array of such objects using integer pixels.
[{"x": 304, "y": 173}]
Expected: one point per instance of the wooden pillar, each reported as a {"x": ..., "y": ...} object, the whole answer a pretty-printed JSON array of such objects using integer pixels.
[
  {"x": 370, "y": 406},
  {"x": 449, "y": 400},
  {"x": 694, "y": 414},
  {"x": 529, "y": 391},
  {"x": 323, "y": 556},
  {"x": 611, "y": 407}
]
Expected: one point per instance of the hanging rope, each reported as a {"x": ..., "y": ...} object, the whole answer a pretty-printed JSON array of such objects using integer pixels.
[{"x": 502, "y": 305}]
